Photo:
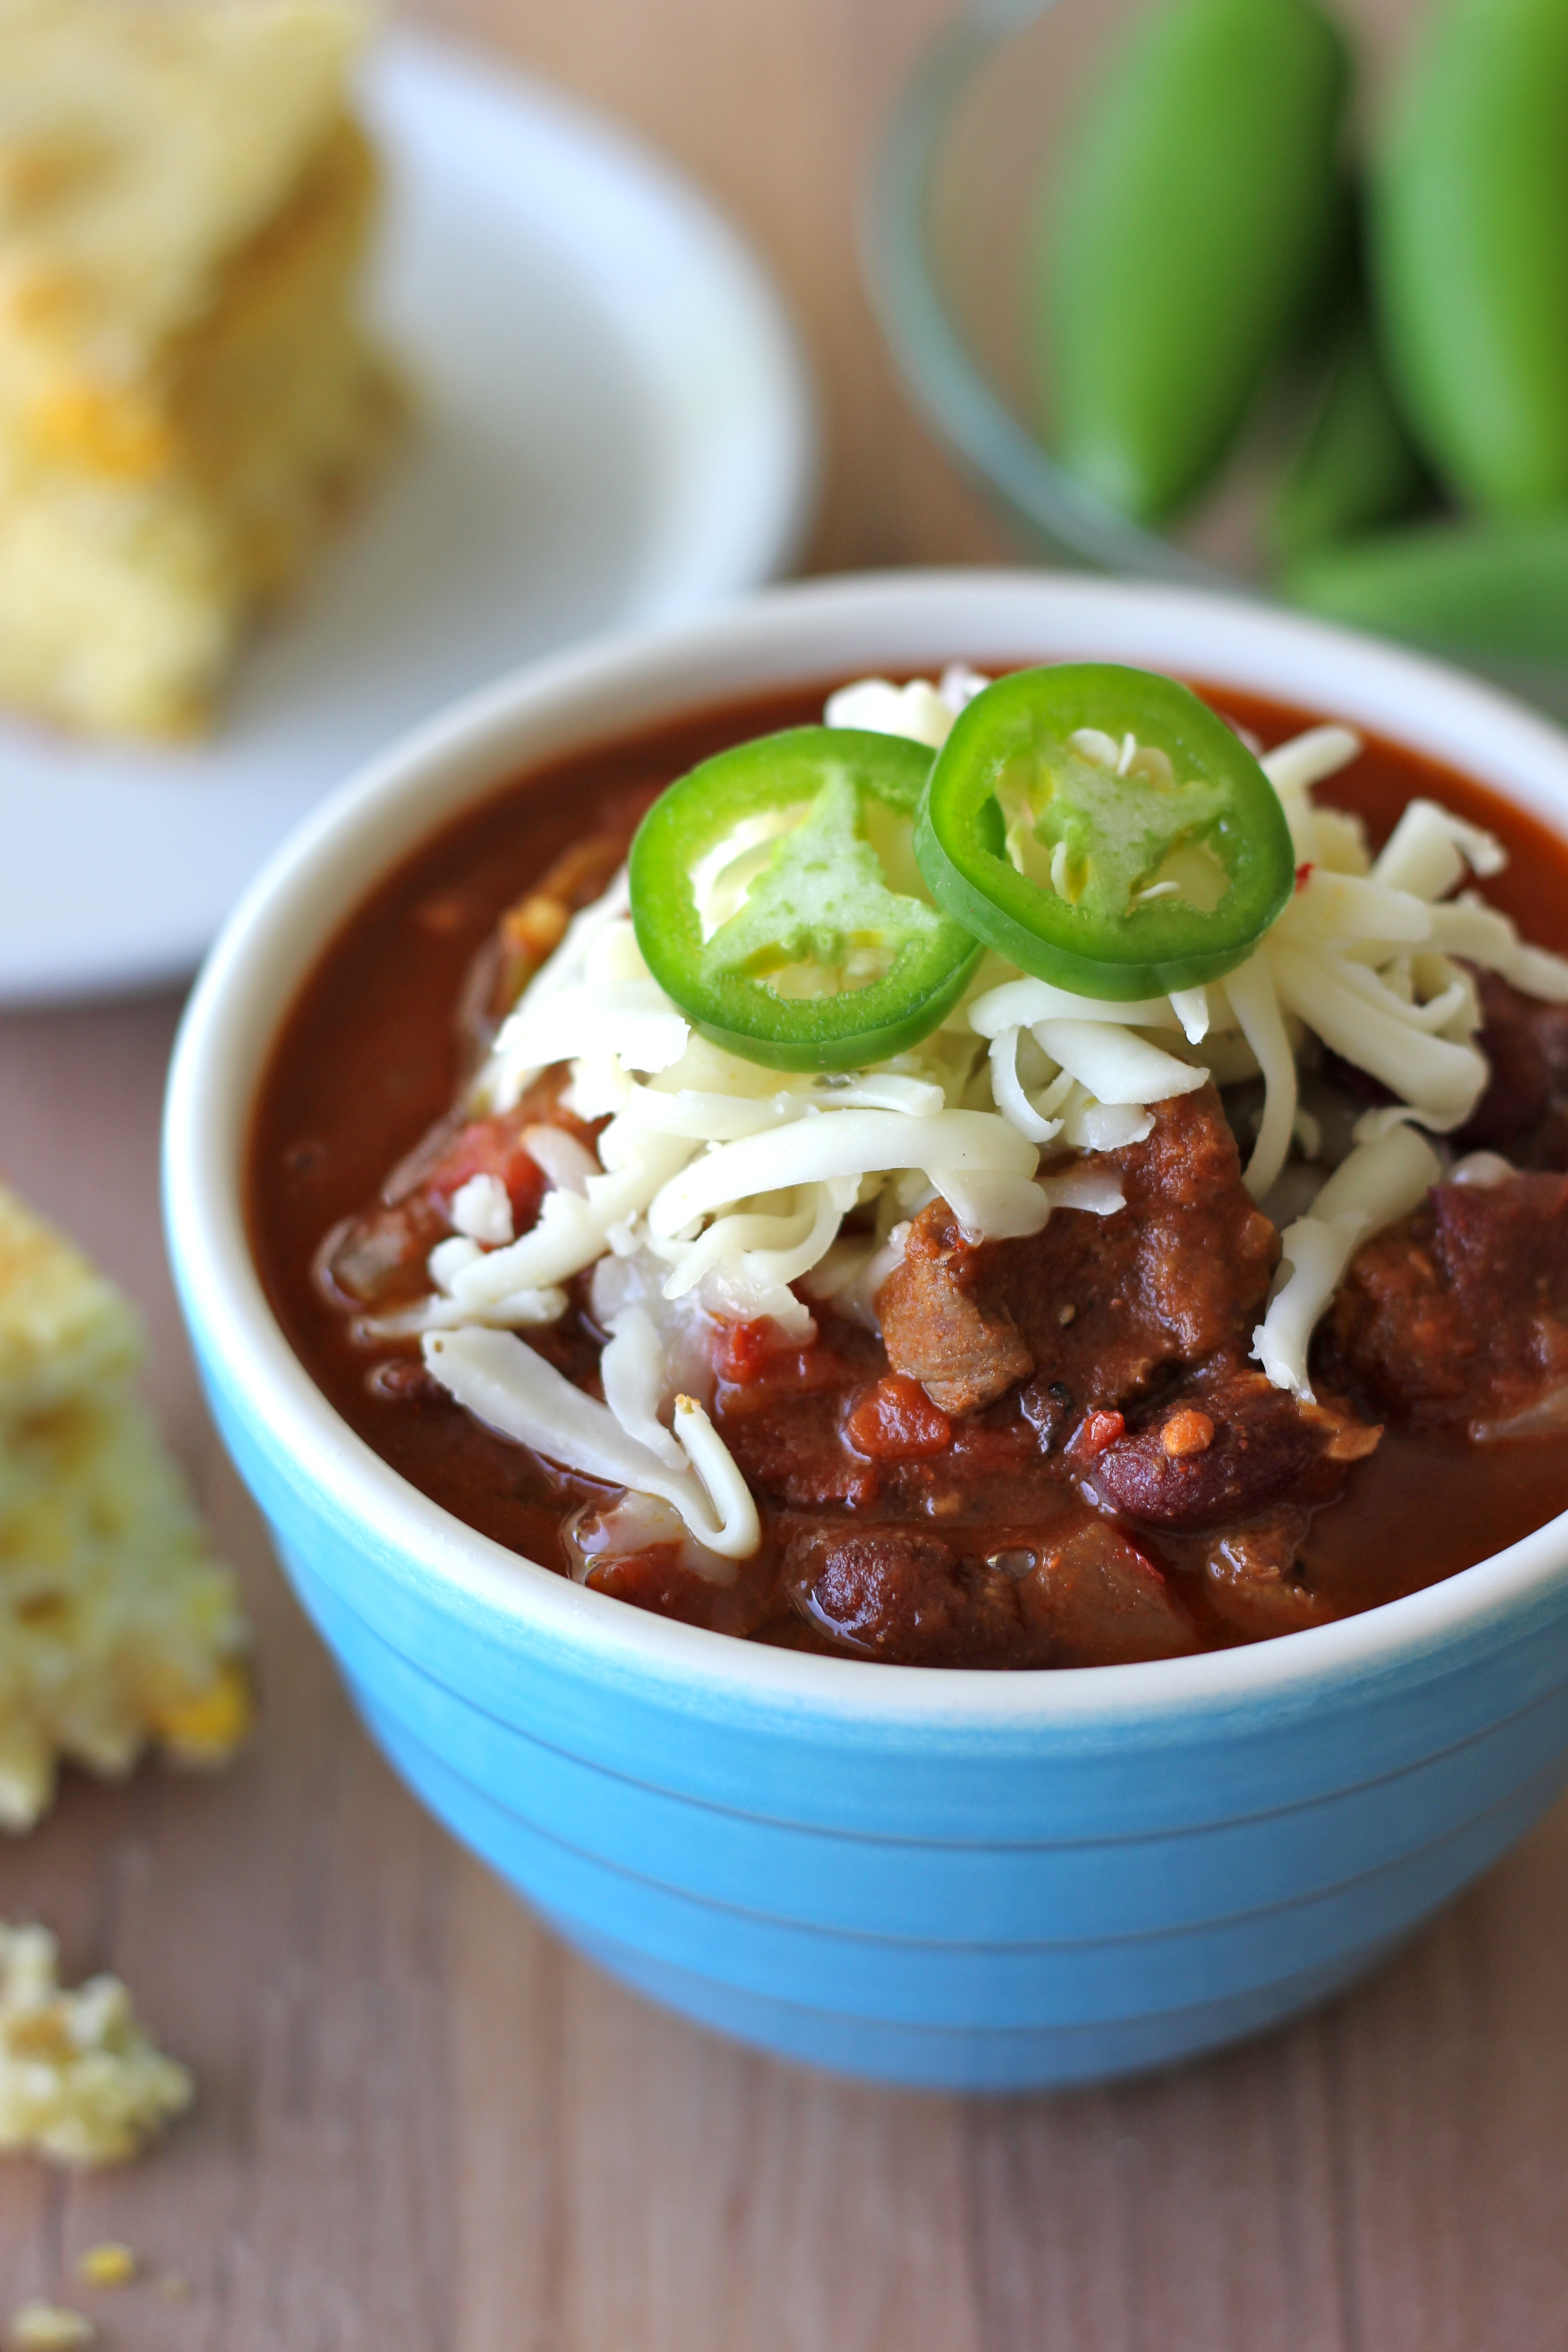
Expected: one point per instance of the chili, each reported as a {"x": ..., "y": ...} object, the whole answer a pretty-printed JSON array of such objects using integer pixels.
[
  {"x": 777, "y": 901},
  {"x": 1104, "y": 829}
]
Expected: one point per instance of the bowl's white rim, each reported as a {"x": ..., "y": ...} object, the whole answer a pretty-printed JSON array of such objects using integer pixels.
[{"x": 774, "y": 637}]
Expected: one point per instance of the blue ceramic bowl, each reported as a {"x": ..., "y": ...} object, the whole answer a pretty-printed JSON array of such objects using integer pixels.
[{"x": 958, "y": 1879}]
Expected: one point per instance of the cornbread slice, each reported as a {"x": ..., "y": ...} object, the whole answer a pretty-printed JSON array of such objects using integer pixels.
[
  {"x": 187, "y": 397},
  {"x": 39, "y": 2326},
  {"x": 117, "y": 1625},
  {"x": 80, "y": 2080},
  {"x": 109, "y": 2264}
]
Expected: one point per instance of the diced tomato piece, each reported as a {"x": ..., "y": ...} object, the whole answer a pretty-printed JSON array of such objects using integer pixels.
[
  {"x": 897, "y": 1422},
  {"x": 744, "y": 1351},
  {"x": 654, "y": 1580},
  {"x": 1095, "y": 1432},
  {"x": 490, "y": 1146}
]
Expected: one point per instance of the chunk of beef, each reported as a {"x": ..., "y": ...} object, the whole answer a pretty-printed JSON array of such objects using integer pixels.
[
  {"x": 1178, "y": 1275},
  {"x": 1225, "y": 1450},
  {"x": 1079, "y": 1594},
  {"x": 936, "y": 1331},
  {"x": 897, "y": 1594},
  {"x": 895, "y": 1420},
  {"x": 1458, "y": 1314},
  {"x": 1252, "y": 1581},
  {"x": 1101, "y": 1601},
  {"x": 1092, "y": 1307},
  {"x": 1524, "y": 1112}
]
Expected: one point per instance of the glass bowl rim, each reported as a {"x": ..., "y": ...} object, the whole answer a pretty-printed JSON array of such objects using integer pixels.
[{"x": 930, "y": 349}]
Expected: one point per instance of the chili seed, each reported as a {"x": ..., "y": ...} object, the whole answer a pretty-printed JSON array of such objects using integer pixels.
[{"x": 1187, "y": 1431}]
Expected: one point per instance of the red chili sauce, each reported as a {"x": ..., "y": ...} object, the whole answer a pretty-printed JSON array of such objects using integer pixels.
[{"x": 1114, "y": 1481}]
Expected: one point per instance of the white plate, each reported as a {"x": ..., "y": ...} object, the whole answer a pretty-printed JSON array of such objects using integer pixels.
[{"x": 616, "y": 429}]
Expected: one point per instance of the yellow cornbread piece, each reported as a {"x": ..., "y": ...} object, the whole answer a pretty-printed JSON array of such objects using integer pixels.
[
  {"x": 80, "y": 2081},
  {"x": 110, "y": 2264},
  {"x": 39, "y": 2326},
  {"x": 187, "y": 397},
  {"x": 117, "y": 1627}
]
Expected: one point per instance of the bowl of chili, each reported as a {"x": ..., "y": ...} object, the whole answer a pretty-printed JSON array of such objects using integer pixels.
[{"x": 932, "y": 1874}]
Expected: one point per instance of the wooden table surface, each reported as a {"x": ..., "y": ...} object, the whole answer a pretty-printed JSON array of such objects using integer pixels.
[{"x": 423, "y": 2126}]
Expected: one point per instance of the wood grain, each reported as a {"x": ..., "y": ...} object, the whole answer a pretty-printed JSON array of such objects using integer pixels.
[{"x": 423, "y": 2126}]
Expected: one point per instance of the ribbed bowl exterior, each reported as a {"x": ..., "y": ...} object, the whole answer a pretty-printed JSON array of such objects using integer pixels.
[
  {"x": 959, "y": 1880},
  {"x": 985, "y": 1908}
]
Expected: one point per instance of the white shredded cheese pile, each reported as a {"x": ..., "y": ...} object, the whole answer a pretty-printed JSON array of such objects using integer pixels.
[{"x": 720, "y": 1184}]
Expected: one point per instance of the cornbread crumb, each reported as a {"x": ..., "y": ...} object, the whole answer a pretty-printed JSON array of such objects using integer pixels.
[
  {"x": 64, "y": 1328},
  {"x": 39, "y": 2326},
  {"x": 111, "y": 2264},
  {"x": 117, "y": 1625},
  {"x": 188, "y": 400},
  {"x": 80, "y": 2080}
]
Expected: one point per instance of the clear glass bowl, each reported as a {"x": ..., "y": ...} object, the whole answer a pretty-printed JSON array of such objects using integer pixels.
[
  {"x": 948, "y": 226},
  {"x": 954, "y": 204}
]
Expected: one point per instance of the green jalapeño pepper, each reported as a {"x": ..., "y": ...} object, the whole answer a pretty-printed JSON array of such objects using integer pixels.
[
  {"x": 1188, "y": 233},
  {"x": 1356, "y": 468},
  {"x": 1105, "y": 830},
  {"x": 777, "y": 901},
  {"x": 1471, "y": 246}
]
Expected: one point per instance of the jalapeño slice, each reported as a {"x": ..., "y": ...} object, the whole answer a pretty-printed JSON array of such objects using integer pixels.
[
  {"x": 777, "y": 900},
  {"x": 1104, "y": 829}
]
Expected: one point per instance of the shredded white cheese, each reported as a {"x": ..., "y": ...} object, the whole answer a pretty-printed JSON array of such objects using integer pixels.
[
  {"x": 719, "y": 1188},
  {"x": 1430, "y": 850},
  {"x": 1379, "y": 1182},
  {"x": 511, "y": 1388},
  {"x": 482, "y": 1210},
  {"x": 923, "y": 712}
]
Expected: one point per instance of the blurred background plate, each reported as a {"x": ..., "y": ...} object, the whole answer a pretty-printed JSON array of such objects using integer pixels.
[{"x": 617, "y": 428}]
